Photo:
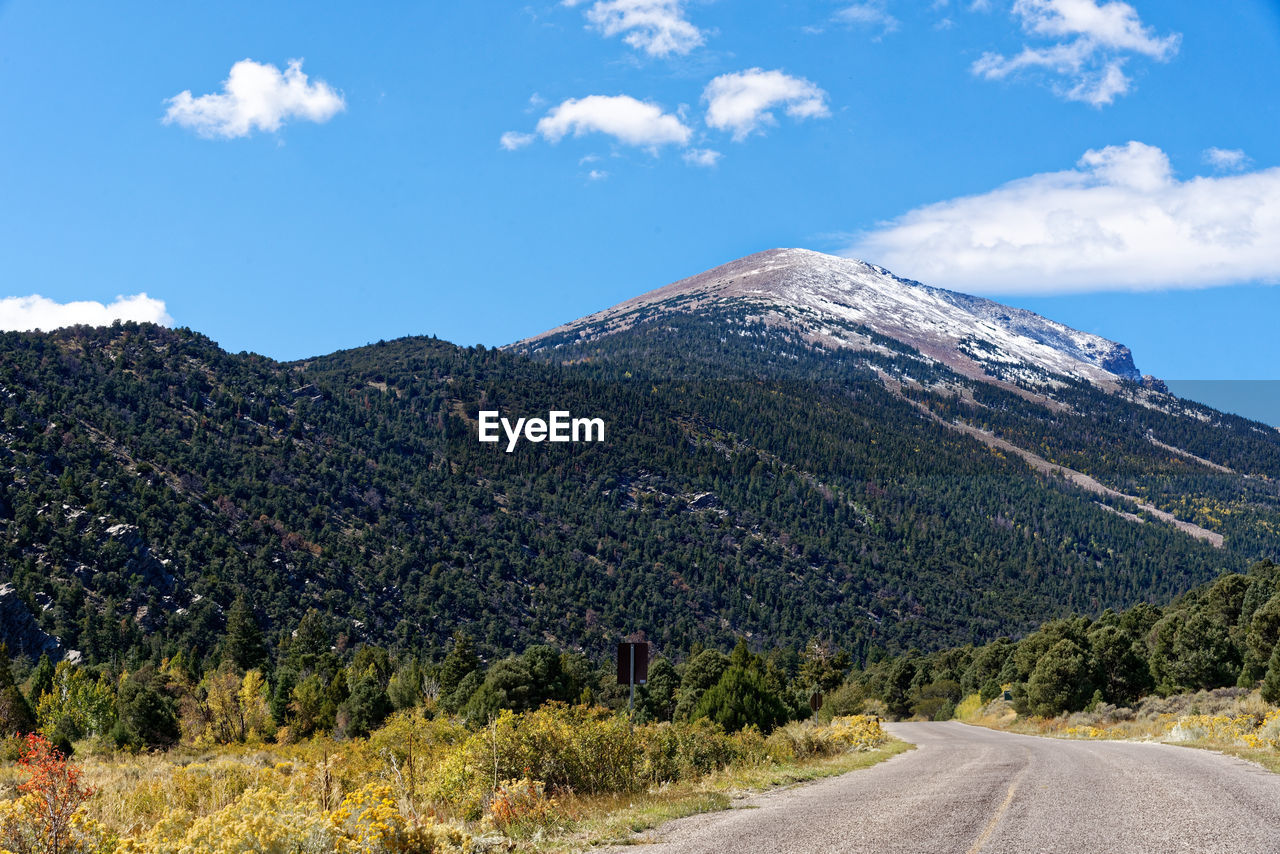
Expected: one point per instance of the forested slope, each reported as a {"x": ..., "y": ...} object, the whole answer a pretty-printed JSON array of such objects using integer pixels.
[{"x": 751, "y": 485}]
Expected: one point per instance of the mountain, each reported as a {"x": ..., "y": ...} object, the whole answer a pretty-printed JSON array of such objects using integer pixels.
[
  {"x": 777, "y": 466},
  {"x": 831, "y": 301}
]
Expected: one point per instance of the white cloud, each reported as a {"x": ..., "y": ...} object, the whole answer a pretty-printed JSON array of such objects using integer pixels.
[
  {"x": 629, "y": 121},
  {"x": 657, "y": 27},
  {"x": 743, "y": 101},
  {"x": 255, "y": 95},
  {"x": 511, "y": 140},
  {"x": 1120, "y": 220},
  {"x": 702, "y": 157},
  {"x": 1093, "y": 43},
  {"x": 871, "y": 13},
  {"x": 1227, "y": 159},
  {"x": 37, "y": 312},
  {"x": 597, "y": 175}
]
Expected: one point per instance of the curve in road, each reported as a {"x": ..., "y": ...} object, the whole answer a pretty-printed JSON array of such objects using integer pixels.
[{"x": 967, "y": 790}]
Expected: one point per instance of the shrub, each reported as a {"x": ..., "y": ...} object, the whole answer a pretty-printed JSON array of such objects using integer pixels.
[
  {"x": 848, "y": 699},
  {"x": 969, "y": 707},
  {"x": 47, "y": 818},
  {"x": 520, "y": 806},
  {"x": 267, "y": 820},
  {"x": 741, "y": 699},
  {"x": 679, "y": 751},
  {"x": 807, "y": 740}
]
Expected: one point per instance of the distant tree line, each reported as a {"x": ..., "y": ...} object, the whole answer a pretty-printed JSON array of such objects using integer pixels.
[
  {"x": 312, "y": 685},
  {"x": 1220, "y": 634}
]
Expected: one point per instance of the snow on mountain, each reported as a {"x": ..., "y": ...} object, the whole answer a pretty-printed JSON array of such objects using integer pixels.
[{"x": 827, "y": 299}]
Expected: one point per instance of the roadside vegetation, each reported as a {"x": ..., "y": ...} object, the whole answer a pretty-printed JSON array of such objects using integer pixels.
[
  {"x": 363, "y": 753},
  {"x": 1203, "y": 672},
  {"x": 1220, "y": 635},
  {"x": 1228, "y": 720},
  {"x": 551, "y": 777}
]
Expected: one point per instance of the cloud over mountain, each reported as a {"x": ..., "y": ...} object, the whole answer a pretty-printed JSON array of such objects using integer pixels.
[
  {"x": 21, "y": 314},
  {"x": 1120, "y": 220},
  {"x": 744, "y": 101}
]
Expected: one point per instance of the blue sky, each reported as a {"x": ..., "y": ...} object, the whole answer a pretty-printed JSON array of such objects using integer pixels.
[{"x": 341, "y": 173}]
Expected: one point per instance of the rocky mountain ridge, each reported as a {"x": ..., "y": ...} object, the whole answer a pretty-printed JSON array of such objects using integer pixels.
[{"x": 831, "y": 301}]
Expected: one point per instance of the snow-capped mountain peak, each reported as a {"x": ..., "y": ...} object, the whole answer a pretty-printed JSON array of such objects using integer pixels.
[{"x": 827, "y": 298}]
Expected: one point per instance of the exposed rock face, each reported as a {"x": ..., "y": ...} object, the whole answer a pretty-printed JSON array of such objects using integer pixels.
[
  {"x": 153, "y": 570},
  {"x": 1154, "y": 384},
  {"x": 823, "y": 297},
  {"x": 20, "y": 631}
]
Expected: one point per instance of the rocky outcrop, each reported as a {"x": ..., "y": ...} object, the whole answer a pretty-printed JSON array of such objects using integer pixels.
[
  {"x": 19, "y": 630},
  {"x": 1154, "y": 384}
]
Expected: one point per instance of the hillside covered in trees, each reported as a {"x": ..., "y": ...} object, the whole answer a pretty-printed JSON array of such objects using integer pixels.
[
  {"x": 751, "y": 486},
  {"x": 1222, "y": 634}
]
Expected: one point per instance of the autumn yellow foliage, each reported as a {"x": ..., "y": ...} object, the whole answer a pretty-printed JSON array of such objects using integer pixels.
[{"x": 419, "y": 784}]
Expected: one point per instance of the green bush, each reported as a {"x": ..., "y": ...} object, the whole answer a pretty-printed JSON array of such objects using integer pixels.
[{"x": 742, "y": 699}]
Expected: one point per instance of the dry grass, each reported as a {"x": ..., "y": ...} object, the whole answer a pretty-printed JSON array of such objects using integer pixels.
[
  {"x": 621, "y": 819},
  {"x": 229, "y": 790},
  {"x": 1235, "y": 721}
]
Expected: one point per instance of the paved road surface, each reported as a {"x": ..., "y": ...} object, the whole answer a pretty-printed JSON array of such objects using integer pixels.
[{"x": 967, "y": 789}]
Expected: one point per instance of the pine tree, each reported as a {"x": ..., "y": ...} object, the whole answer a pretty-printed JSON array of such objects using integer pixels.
[
  {"x": 41, "y": 679},
  {"x": 742, "y": 699},
  {"x": 15, "y": 712},
  {"x": 460, "y": 661},
  {"x": 244, "y": 644},
  {"x": 1271, "y": 683}
]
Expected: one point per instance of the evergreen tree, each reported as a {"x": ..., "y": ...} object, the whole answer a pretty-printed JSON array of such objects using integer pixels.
[
  {"x": 405, "y": 689},
  {"x": 1121, "y": 671},
  {"x": 366, "y": 708},
  {"x": 311, "y": 642},
  {"x": 15, "y": 713},
  {"x": 700, "y": 673},
  {"x": 41, "y": 679},
  {"x": 741, "y": 698},
  {"x": 1060, "y": 681},
  {"x": 1271, "y": 683},
  {"x": 659, "y": 697},
  {"x": 282, "y": 693},
  {"x": 460, "y": 674},
  {"x": 145, "y": 713},
  {"x": 244, "y": 644},
  {"x": 822, "y": 668}
]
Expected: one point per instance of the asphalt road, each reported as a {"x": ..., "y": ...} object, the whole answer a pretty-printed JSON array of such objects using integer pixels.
[{"x": 967, "y": 789}]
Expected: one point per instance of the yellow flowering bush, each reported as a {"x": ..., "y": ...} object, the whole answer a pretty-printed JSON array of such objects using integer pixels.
[
  {"x": 1223, "y": 728},
  {"x": 858, "y": 732},
  {"x": 369, "y": 821},
  {"x": 261, "y": 820},
  {"x": 268, "y": 821},
  {"x": 1267, "y": 735},
  {"x": 805, "y": 740}
]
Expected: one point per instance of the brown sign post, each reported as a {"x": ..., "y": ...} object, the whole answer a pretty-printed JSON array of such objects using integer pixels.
[{"x": 633, "y": 668}]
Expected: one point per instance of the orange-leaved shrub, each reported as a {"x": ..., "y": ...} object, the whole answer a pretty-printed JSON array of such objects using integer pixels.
[{"x": 47, "y": 818}]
